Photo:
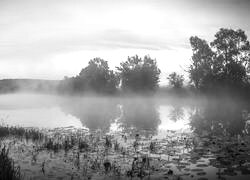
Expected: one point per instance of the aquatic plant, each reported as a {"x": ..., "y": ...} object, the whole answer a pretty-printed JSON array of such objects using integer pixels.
[
  {"x": 106, "y": 155},
  {"x": 152, "y": 147},
  {"x": 8, "y": 170},
  {"x": 20, "y": 132},
  {"x": 108, "y": 143},
  {"x": 116, "y": 146},
  {"x": 83, "y": 145},
  {"x": 52, "y": 145}
]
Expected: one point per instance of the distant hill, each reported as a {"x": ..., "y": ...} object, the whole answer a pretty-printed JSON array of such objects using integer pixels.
[{"x": 33, "y": 85}]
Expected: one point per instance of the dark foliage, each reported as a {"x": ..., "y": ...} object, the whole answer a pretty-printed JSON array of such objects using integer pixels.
[
  {"x": 139, "y": 74},
  {"x": 223, "y": 65},
  {"x": 96, "y": 77},
  {"x": 21, "y": 133}
]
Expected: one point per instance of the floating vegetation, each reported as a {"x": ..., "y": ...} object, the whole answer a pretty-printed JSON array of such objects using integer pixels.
[{"x": 77, "y": 153}]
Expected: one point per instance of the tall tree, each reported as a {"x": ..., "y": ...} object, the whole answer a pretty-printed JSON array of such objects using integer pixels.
[
  {"x": 232, "y": 46},
  {"x": 223, "y": 64},
  {"x": 233, "y": 50},
  {"x": 139, "y": 74},
  {"x": 202, "y": 61}
]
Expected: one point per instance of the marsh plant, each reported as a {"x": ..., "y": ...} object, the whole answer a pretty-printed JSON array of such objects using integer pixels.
[
  {"x": 7, "y": 167},
  {"x": 21, "y": 133}
]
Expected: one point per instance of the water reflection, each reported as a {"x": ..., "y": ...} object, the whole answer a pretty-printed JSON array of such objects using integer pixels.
[
  {"x": 176, "y": 113},
  {"x": 218, "y": 118},
  {"x": 93, "y": 113},
  {"x": 140, "y": 115},
  {"x": 137, "y": 115}
]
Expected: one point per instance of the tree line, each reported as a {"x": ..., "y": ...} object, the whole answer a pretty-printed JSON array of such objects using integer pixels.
[
  {"x": 134, "y": 75},
  {"x": 215, "y": 67}
]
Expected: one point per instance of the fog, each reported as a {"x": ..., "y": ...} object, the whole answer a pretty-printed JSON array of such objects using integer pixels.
[{"x": 131, "y": 113}]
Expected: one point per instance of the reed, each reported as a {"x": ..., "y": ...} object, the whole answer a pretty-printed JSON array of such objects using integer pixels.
[
  {"x": 7, "y": 167},
  {"x": 21, "y": 133}
]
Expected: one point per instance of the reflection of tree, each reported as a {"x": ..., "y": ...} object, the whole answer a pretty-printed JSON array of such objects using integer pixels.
[
  {"x": 218, "y": 118},
  {"x": 140, "y": 115},
  {"x": 94, "y": 113},
  {"x": 176, "y": 113}
]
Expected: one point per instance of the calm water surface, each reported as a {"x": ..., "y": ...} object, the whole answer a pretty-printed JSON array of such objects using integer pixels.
[{"x": 110, "y": 114}]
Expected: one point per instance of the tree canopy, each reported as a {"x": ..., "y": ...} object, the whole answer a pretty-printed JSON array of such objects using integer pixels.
[
  {"x": 139, "y": 74},
  {"x": 223, "y": 63},
  {"x": 96, "y": 77}
]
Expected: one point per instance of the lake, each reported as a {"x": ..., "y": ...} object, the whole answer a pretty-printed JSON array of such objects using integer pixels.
[
  {"x": 195, "y": 138},
  {"x": 46, "y": 111}
]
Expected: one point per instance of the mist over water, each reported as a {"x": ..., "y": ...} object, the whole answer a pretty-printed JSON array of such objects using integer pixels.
[
  {"x": 39, "y": 110},
  {"x": 133, "y": 114}
]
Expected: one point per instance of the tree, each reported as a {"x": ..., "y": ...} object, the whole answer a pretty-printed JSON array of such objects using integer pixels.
[
  {"x": 202, "y": 62},
  {"x": 232, "y": 46},
  {"x": 233, "y": 50},
  {"x": 176, "y": 80},
  {"x": 98, "y": 77},
  {"x": 139, "y": 74},
  {"x": 223, "y": 64}
]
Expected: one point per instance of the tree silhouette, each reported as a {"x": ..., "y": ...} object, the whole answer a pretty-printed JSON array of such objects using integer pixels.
[
  {"x": 96, "y": 77},
  {"x": 224, "y": 64},
  {"x": 202, "y": 62},
  {"x": 139, "y": 74},
  {"x": 233, "y": 52}
]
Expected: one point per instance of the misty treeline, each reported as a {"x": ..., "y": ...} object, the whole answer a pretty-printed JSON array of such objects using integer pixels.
[
  {"x": 134, "y": 75},
  {"x": 31, "y": 85},
  {"x": 217, "y": 67}
]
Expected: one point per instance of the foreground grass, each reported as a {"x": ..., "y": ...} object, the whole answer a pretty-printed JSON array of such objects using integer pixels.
[
  {"x": 83, "y": 154},
  {"x": 21, "y": 133},
  {"x": 79, "y": 154},
  {"x": 8, "y": 171}
]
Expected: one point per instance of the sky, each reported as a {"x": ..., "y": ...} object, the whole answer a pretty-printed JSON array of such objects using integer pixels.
[{"x": 50, "y": 39}]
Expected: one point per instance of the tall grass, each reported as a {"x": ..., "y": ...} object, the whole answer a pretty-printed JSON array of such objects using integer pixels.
[
  {"x": 7, "y": 169},
  {"x": 20, "y": 132}
]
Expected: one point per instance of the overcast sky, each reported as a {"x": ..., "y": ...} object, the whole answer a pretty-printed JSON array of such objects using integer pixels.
[{"x": 50, "y": 39}]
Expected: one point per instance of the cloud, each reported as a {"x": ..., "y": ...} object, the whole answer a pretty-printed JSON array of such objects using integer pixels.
[
  {"x": 110, "y": 39},
  {"x": 33, "y": 33}
]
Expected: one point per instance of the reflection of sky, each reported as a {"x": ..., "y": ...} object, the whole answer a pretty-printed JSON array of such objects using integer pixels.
[
  {"x": 168, "y": 124},
  {"x": 39, "y": 117}
]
